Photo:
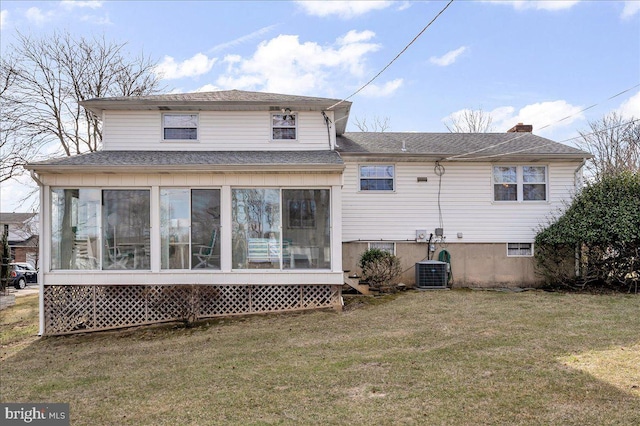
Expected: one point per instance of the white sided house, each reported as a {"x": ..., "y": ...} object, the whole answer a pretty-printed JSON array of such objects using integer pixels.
[{"x": 231, "y": 203}]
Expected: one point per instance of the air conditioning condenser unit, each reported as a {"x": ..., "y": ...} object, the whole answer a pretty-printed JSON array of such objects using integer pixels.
[{"x": 431, "y": 274}]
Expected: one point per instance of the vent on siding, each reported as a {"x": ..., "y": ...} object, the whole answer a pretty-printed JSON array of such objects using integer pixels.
[{"x": 431, "y": 274}]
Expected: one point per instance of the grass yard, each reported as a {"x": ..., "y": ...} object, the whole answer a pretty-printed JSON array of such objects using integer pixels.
[{"x": 441, "y": 357}]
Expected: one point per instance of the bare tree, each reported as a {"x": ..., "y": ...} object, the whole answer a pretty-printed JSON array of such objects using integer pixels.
[
  {"x": 378, "y": 125},
  {"x": 43, "y": 81},
  {"x": 13, "y": 149},
  {"x": 470, "y": 121},
  {"x": 615, "y": 143}
]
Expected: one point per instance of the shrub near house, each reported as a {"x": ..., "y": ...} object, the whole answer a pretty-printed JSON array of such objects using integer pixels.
[{"x": 603, "y": 223}]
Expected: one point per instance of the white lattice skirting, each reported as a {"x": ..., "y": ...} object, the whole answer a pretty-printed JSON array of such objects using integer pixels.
[{"x": 82, "y": 308}]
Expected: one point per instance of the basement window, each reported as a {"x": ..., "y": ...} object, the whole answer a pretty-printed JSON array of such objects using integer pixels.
[
  {"x": 383, "y": 246},
  {"x": 519, "y": 249}
]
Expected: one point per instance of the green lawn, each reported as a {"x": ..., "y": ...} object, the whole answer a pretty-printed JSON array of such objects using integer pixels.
[{"x": 440, "y": 357}]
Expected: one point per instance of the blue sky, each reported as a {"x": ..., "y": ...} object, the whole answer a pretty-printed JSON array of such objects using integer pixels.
[{"x": 522, "y": 61}]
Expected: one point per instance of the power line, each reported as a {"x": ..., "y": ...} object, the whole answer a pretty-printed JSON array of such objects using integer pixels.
[
  {"x": 394, "y": 59},
  {"x": 589, "y": 107},
  {"x": 543, "y": 127},
  {"x": 550, "y": 143}
]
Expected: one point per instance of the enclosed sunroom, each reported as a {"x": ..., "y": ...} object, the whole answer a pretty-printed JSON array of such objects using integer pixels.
[{"x": 191, "y": 229}]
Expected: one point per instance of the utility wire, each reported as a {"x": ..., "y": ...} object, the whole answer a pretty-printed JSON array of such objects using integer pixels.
[
  {"x": 543, "y": 127},
  {"x": 550, "y": 143},
  {"x": 589, "y": 107},
  {"x": 394, "y": 59}
]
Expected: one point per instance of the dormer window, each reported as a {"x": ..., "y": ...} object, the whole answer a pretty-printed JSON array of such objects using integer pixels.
[
  {"x": 284, "y": 126},
  {"x": 180, "y": 127}
]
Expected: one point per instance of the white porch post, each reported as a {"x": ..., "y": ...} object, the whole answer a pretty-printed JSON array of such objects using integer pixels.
[
  {"x": 336, "y": 228},
  {"x": 226, "y": 246},
  {"x": 44, "y": 247},
  {"x": 154, "y": 236}
]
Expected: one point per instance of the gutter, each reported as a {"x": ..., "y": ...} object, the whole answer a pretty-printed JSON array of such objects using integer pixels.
[
  {"x": 191, "y": 168},
  {"x": 576, "y": 183},
  {"x": 35, "y": 177}
]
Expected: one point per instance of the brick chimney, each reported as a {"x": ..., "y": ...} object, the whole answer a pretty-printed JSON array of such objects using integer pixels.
[{"x": 521, "y": 128}]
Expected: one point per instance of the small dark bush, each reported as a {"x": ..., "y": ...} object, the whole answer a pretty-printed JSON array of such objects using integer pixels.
[{"x": 380, "y": 268}]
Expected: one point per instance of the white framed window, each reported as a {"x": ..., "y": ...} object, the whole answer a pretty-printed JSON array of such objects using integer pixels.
[
  {"x": 519, "y": 249},
  {"x": 284, "y": 126},
  {"x": 380, "y": 177},
  {"x": 383, "y": 246},
  {"x": 519, "y": 183},
  {"x": 179, "y": 127}
]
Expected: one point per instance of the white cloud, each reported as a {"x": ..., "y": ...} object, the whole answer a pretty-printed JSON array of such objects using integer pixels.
[
  {"x": 35, "y": 15},
  {"x": 284, "y": 64},
  {"x": 208, "y": 88},
  {"x": 537, "y": 5},
  {"x": 448, "y": 58},
  {"x": 66, "y": 10},
  {"x": 631, "y": 107},
  {"x": 97, "y": 20},
  {"x": 387, "y": 89},
  {"x": 354, "y": 36},
  {"x": 630, "y": 9},
  {"x": 404, "y": 5},
  {"x": 4, "y": 16},
  {"x": 242, "y": 39},
  {"x": 544, "y": 116},
  {"x": 342, "y": 9},
  {"x": 197, "y": 65},
  {"x": 72, "y": 4}
]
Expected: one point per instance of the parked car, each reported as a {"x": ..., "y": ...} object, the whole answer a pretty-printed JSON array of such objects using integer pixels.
[{"x": 22, "y": 274}]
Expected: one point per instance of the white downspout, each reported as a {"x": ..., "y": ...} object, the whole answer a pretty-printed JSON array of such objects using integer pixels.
[{"x": 577, "y": 183}]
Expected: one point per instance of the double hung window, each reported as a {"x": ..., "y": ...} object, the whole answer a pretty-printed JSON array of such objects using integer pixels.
[
  {"x": 284, "y": 126},
  {"x": 179, "y": 127},
  {"x": 519, "y": 183},
  {"x": 377, "y": 178}
]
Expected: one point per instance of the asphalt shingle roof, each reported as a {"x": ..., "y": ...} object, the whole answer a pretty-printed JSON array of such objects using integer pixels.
[
  {"x": 219, "y": 96},
  {"x": 465, "y": 145},
  {"x": 195, "y": 158}
]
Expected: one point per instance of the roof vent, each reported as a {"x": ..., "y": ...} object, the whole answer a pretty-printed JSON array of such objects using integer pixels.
[{"x": 521, "y": 128}]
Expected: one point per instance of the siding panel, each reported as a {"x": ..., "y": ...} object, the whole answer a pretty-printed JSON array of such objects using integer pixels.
[
  {"x": 218, "y": 131},
  {"x": 465, "y": 202}
]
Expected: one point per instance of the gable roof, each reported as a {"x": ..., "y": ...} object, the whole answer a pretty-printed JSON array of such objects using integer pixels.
[
  {"x": 455, "y": 146},
  {"x": 21, "y": 226},
  {"x": 224, "y": 100},
  {"x": 16, "y": 218},
  {"x": 194, "y": 161}
]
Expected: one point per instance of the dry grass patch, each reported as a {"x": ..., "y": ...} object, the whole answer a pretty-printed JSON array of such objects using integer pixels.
[
  {"x": 18, "y": 325},
  {"x": 454, "y": 357},
  {"x": 619, "y": 366}
]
